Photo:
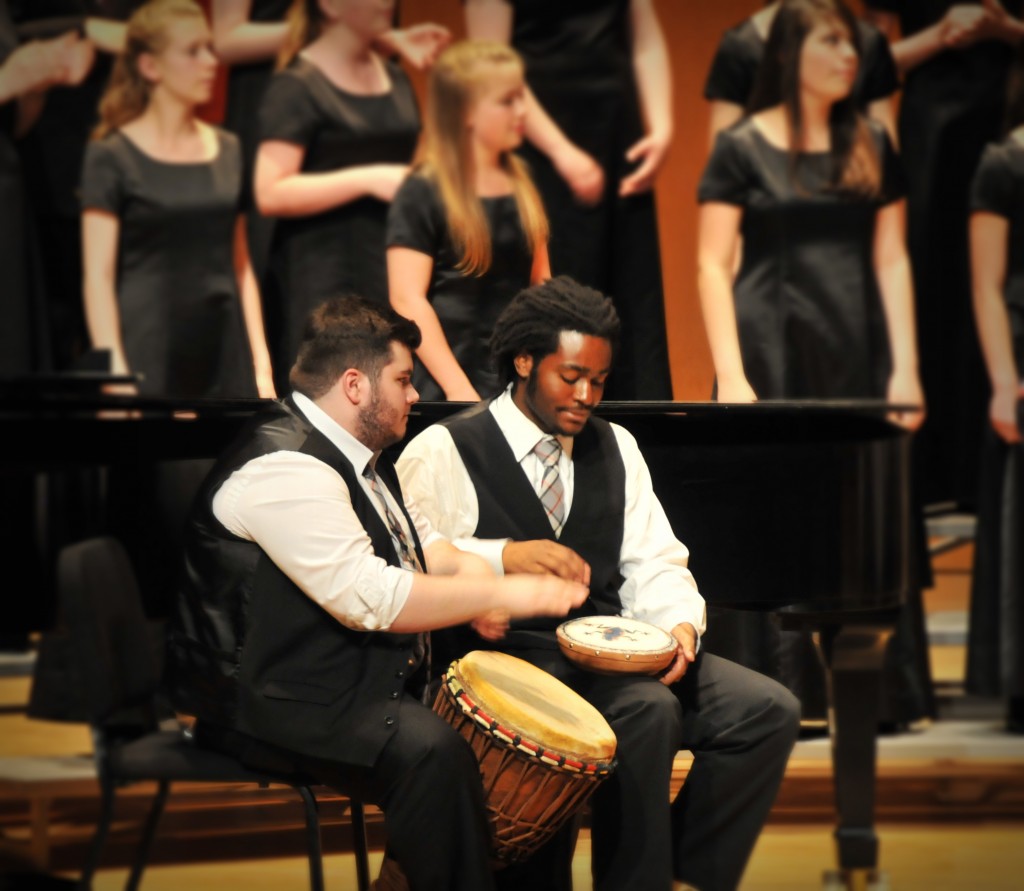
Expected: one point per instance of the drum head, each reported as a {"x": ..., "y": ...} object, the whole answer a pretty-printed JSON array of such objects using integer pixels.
[
  {"x": 616, "y": 645},
  {"x": 535, "y": 705}
]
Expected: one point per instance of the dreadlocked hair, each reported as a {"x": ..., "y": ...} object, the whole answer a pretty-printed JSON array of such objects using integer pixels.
[{"x": 534, "y": 320}]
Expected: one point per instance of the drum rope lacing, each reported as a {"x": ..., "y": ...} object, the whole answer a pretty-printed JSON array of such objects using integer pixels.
[{"x": 516, "y": 740}]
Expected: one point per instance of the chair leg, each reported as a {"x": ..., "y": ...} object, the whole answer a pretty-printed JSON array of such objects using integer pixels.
[
  {"x": 359, "y": 845},
  {"x": 156, "y": 810},
  {"x": 316, "y": 863},
  {"x": 92, "y": 862}
]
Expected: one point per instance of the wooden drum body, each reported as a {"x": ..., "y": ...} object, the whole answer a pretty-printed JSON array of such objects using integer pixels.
[
  {"x": 616, "y": 645},
  {"x": 542, "y": 748}
]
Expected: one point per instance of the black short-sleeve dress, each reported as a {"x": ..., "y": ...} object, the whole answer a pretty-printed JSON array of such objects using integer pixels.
[
  {"x": 811, "y": 326},
  {"x": 466, "y": 305},
  {"x": 734, "y": 66},
  {"x": 579, "y": 66},
  {"x": 342, "y": 249},
  {"x": 177, "y": 293},
  {"x": 808, "y": 306},
  {"x": 995, "y": 650}
]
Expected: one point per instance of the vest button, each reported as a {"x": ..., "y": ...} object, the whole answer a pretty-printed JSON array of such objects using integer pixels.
[
  {"x": 389, "y": 721},
  {"x": 394, "y": 694},
  {"x": 399, "y": 674}
]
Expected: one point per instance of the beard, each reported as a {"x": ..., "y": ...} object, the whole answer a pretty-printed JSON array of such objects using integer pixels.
[{"x": 378, "y": 424}]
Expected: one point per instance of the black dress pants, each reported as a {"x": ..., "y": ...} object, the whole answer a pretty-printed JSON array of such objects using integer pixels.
[
  {"x": 740, "y": 727},
  {"x": 427, "y": 783}
]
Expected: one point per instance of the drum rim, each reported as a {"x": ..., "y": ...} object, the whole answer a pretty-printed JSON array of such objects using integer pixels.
[
  {"x": 509, "y": 737},
  {"x": 610, "y": 650}
]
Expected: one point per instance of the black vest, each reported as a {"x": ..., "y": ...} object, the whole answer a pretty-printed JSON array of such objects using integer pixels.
[
  {"x": 248, "y": 650},
  {"x": 509, "y": 508}
]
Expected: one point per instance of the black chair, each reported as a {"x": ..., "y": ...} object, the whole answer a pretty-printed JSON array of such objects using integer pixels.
[{"x": 103, "y": 665}]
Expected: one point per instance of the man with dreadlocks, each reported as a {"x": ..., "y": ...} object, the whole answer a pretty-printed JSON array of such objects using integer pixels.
[{"x": 477, "y": 476}]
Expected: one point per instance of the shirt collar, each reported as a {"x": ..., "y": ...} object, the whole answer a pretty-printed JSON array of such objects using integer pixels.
[
  {"x": 522, "y": 433},
  {"x": 359, "y": 455}
]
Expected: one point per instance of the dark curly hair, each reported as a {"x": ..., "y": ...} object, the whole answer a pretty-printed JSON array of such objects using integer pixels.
[
  {"x": 532, "y": 323},
  {"x": 347, "y": 332}
]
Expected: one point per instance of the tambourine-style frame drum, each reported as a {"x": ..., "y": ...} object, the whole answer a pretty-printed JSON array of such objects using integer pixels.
[
  {"x": 542, "y": 748},
  {"x": 616, "y": 645}
]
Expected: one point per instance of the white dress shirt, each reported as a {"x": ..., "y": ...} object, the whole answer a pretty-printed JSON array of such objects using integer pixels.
[
  {"x": 658, "y": 587},
  {"x": 299, "y": 511}
]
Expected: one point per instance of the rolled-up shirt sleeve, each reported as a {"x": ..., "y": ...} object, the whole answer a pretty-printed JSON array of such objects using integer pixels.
[
  {"x": 658, "y": 588},
  {"x": 299, "y": 511}
]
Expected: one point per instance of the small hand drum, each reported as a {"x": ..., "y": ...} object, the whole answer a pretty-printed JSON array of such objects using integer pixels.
[
  {"x": 616, "y": 645},
  {"x": 541, "y": 747}
]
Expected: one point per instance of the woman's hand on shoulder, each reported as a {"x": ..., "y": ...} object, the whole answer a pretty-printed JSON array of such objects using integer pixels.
[{"x": 418, "y": 45}]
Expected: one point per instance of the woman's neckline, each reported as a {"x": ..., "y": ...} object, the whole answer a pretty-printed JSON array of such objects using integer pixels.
[
  {"x": 154, "y": 159},
  {"x": 334, "y": 85},
  {"x": 766, "y": 139}
]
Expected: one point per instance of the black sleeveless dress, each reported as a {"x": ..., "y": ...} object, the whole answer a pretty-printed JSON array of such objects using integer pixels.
[
  {"x": 579, "y": 67},
  {"x": 995, "y": 648}
]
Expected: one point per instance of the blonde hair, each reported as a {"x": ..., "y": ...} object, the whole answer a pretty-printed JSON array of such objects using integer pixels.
[
  {"x": 305, "y": 22},
  {"x": 445, "y": 152},
  {"x": 127, "y": 94}
]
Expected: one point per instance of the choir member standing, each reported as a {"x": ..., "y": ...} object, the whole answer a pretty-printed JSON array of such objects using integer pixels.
[{"x": 467, "y": 231}]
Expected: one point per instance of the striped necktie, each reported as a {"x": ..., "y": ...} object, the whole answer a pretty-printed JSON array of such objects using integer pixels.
[
  {"x": 406, "y": 553},
  {"x": 551, "y": 491}
]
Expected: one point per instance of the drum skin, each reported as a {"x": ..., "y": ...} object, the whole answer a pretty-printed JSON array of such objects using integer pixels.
[
  {"x": 542, "y": 749},
  {"x": 616, "y": 645}
]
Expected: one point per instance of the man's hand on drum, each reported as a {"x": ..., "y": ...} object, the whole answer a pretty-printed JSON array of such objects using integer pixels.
[
  {"x": 686, "y": 639},
  {"x": 543, "y": 556}
]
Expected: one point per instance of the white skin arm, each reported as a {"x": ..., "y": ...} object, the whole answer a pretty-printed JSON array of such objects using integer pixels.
[
  {"x": 718, "y": 239},
  {"x": 107, "y": 35},
  {"x": 100, "y": 235},
  {"x": 989, "y": 234},
  {"x": 237, "y": 40},
  {"x": 461, "y": 588},
  {"x": 892, "y": 270},
  {"x": 492, "y": 20},
  {"x": 282, "y": 190},
  {"x": 721, "y": 115},
  {"x": 654, "y": 85},
  {"x": 884, "y": 111},
  {"x": 252, "y": 312},
  {"x": 409, "y": 275},
  {"x": 962, "y": 26}
]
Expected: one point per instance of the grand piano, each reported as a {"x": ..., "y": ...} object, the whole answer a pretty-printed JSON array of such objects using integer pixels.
[{"x": 802, "y": 509}]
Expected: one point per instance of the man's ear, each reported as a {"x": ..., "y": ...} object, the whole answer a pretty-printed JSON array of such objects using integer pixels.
[
  {"x": 352, "y": 384},
  {"x": 523, "y": 364}
]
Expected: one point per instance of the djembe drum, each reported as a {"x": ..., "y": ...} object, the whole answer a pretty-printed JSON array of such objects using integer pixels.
[{"x": 542, "y": 749}]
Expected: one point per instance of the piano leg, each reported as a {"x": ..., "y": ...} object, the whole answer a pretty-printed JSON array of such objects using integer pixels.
[{"x": 853, "y": 655}]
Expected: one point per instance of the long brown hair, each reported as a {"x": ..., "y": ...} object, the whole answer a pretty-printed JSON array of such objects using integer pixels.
[
  {"x": 127, "y": 93},
  {"x": 856, "y": 162},
  {"x": 305, "y": 23},
  {"x": 445, "y": 152}
]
